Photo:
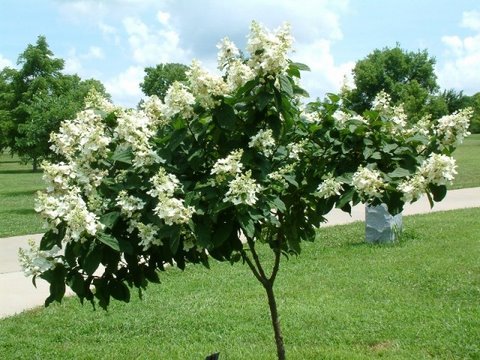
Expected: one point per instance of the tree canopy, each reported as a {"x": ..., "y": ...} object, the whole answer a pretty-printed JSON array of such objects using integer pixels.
[
  {"x": 158, "y": 79},
  {"x": 35, "y": 99},
  {"x": 407, "y": 76}
]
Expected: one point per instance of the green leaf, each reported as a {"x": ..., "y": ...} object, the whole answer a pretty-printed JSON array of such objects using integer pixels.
[
  {"x": 222, "y": 232},
  {"x": 388, "y": 148},
  {"x": 203, "y": 233},
  {"x": 278, "y": 204},
  {"x": 263, "y": 100},
  {"x": 247, "y": 225},
  {"x": 439, "y": 192},
  {"x": 333, "y": 97},
  {"x": 174, "y": 241},
  {"x": 92, "y": 260},
  {"x": 57, "y": 285},
  {"x": 285, "y": 85},
  {"x": 300, "y": 66},
  {"x": 225, "y": 116},
  {"x": 123, "y": 155},
  {"x": 345, "y": 198},
  {"x": 399, "y": 173},
  {"x": 110, "y": 219},
  {"x": 109, "y": 241},
  {"x": 291, "y": 179},
  {"x": 50, "y": 239},
  {"x": 118, "y": 290},
  {"x": 77, "y": 284}
]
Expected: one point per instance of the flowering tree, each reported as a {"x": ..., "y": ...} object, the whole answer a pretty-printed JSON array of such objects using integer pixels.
[{"x": 225, "y": 164}]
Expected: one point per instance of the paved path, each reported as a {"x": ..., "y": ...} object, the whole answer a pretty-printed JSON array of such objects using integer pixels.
[{"x": 17, "y": 292}]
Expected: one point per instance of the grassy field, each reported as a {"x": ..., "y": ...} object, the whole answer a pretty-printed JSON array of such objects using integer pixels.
[
  {"x": 340, "y": 299},
  {"x": 468, "y": 161},
  {"x": 18, "y": 185}
]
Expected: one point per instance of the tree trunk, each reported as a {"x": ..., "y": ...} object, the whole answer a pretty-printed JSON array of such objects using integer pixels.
[
  {"x": 35, "y": 164},
  {"x": 275, "y": 320}
]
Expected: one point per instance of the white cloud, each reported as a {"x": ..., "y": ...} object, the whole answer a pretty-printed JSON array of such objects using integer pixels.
[
  {"x": 326, "y": 75},
  {"x": 471, "y": 20},
  {"x": 154, "y": 45},
  {"x": 460, "y": 69},
  {"x": 94, "y": 52},
  {"x": 163, "y": 18},
  {"x": 4, "y": 62},
  {"x": 125, "y": 88},
  {"x": 74, "y": 62},
  {"x": 109, "y": 32}
]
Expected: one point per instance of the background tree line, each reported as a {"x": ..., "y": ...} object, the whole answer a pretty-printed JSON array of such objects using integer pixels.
[{"x": 37, "y": 96}]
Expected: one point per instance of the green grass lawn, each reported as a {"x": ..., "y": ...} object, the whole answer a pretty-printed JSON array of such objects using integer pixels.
[
  {"x": 340, "y": 299},
  {"x": 18, "y": 185},
  {"x": 468, "y": 161}
]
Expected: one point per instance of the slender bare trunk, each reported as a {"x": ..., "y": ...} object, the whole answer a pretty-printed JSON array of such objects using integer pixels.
[
  {"x": 275, "y": 321},
  {"x": 267, "y": 283}
]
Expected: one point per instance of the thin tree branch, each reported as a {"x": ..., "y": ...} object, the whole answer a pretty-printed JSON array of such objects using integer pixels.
[
  {"x": 251, "y": 245},
  {"x": 252, "y": 267}
]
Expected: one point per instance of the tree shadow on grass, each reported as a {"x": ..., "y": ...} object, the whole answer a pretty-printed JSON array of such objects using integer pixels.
[
  {"x": 19, "y": 171},
  {"x": 25, "y": 211},
  {"x": 19, "y": 193}
]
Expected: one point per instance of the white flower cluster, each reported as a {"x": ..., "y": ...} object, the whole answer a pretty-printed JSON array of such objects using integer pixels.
[
  {"x": 413, "y": 187},
  {"x": 204, "y": 86},
  {"x": 231, "y": 165},
  {"x": 170, "y": 209},
  {"x": 57, "y": 176},
  {"x": 438, "y": 169},
  {"x": 381, "y": 102},
  {"x": 263, "y": 141},
  {"x": 312, "y": 117},
  {"x": 134, "y": 130},
  {"x": 178, "y": 101},
  {"x": 35, "y": 261},
  {"x": 71, "y": 209},
  {"x": 268, "y": 50},
  {"x": 397, "y": 123},
  {"x": 82, "y": 139},
  {"x": 154, "y": 108},
  {"x": 227, "y": 53},
  {"x": 329, "y": 187},
  {"x": 279, "y": 175},
  {"x": 423, "y": 126},
  {"x": 129, "y": 204},
  {"x": 147, "y": 233},
  {"x": 452, "y": 129},
  {"x": 238, "y": 74},
  {"x": 368, "y": 183},
  {"x": 342, "y": 117},
  {"x": 242, "y": 190},
  {"x": 296, "y": 149},
  {"x": 95, "y": 100}
]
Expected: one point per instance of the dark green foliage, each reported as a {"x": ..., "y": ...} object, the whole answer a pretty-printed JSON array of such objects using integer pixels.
[
  {"x": 408, "y": 77},
  {"x": 35, "y": 99},
  {"x": 158, "y": 79}
]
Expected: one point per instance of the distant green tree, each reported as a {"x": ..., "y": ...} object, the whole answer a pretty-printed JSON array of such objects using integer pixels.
[
  {"x": 474, "y": 103},
  {"x": 158, "y": 79},
  {"x": 408, "y": 77},
  {"x": 7, "y": 96},
  {"x": 46, "y": 112},
  {"x": 34, "y": 100}
]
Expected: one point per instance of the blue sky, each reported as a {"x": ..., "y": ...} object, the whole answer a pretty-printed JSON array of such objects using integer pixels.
[{"x": 114, "y": 40}]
